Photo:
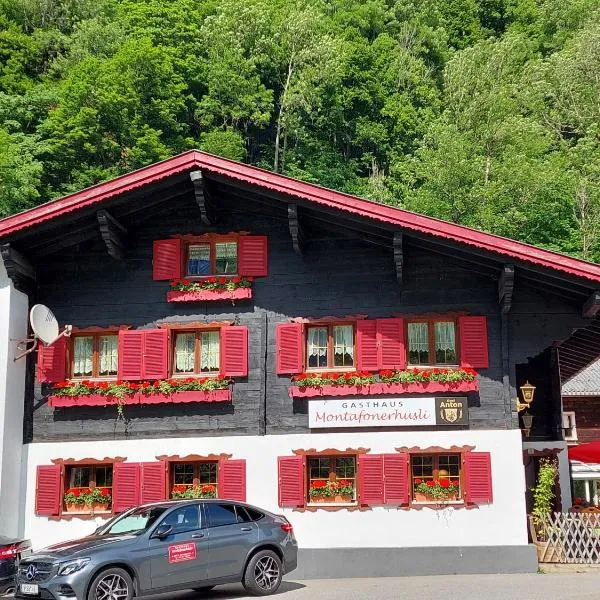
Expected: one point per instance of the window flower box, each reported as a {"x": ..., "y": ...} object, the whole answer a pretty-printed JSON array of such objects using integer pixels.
[
  {"x": 207, "y": 289},
  {"x": 209, "y": 295},
  {"x": 406, "y": 381},
  {"x": 202, "y": 396}
]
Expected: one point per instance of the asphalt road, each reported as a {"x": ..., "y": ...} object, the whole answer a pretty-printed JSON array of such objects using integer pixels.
[{"x": 575, "y": 586}]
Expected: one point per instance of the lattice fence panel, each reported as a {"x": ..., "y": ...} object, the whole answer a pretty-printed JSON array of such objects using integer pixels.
[{"x": 572, "y": 538}]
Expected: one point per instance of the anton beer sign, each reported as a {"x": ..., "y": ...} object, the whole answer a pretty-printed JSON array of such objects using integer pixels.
[{"x": 387, "y": 412}]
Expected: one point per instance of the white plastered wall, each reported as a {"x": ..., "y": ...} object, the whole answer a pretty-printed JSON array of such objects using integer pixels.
[
  {"x": 501, "y": 523},
  {"x": 13, "y": 326}
]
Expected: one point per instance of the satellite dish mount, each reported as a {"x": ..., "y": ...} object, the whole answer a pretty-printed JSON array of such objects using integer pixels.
[{"x": 45, "y": 328}]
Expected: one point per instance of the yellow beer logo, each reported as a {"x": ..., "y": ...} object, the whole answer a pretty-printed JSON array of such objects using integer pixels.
[{"x": 451, "y": 410}]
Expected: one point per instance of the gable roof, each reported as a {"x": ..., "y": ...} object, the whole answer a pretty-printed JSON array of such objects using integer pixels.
[
  {"x": 309, "y": 192},
  {"x": 584, "y": 383}
]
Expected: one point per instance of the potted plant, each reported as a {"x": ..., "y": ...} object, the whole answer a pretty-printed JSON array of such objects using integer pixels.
[
  {"x": 331, "y": 491},
  {"x": 74, "y": 500},
  {"x": 98, "y": 499},
  {"x": 539, "y": 520},
  {"x": 436, "y": 490},
  {"x": 190, "y": 492},
  {"x": 318, "y": 491}
]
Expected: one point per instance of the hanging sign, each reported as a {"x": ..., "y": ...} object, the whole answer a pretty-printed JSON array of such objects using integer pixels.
[{"x": 387, "y": 412}]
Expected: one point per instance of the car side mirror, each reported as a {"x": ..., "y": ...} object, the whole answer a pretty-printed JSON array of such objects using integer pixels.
[{"x": 162, "y": 531}]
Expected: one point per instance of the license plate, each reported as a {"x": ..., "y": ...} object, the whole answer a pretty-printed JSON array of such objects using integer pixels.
[{"x": 29, "y": 588}]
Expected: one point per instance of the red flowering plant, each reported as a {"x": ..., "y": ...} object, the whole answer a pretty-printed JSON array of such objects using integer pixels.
[
  {"x": 329, "y": 488},
  {"x": 438, "y": 489},
  {"x": 315, "y": 380},
  {"x": 87, "y": 496},
  {"x": 188, "y": 492},
  {"x": 215, "y": 284},
  {"x": 120, "y": 389}
]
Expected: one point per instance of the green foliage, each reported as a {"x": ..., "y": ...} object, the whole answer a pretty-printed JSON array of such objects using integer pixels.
[
  {"x": 543, "y": 493},
  {"x": 483, "y": 112}
]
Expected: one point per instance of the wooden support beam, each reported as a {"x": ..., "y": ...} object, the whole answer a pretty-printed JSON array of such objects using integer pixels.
[
  {"x": 592, "y": 305},
  {"x": 202, "y": 198},
  {"x": 506, "y": 285},
  {"x": 113, "y": 234},
  {"x": 18, "y": 268},
  {"x": 398, "y": 256},
  {"x": 296, "y": 230}
]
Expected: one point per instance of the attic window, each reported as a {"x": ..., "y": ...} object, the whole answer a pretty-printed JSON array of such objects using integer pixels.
[{"x": 212, "y": 258}]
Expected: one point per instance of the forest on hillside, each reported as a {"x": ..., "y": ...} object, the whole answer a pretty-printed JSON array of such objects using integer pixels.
[{"x": 482, "y": 112}]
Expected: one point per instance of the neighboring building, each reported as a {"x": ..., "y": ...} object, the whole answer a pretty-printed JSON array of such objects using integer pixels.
[
  {"x": 581, "y": 425},
  {"x": 357, "y": 352}
]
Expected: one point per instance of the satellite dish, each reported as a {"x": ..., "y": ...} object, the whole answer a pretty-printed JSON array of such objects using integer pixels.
[{"x": 43, "y": 323}]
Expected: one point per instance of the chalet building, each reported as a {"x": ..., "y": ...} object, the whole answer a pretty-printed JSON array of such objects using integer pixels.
[{"x": 240, "y": 334}]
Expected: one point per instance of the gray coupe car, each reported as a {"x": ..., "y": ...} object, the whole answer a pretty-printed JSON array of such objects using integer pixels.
[{"x": 163, "y": 547}]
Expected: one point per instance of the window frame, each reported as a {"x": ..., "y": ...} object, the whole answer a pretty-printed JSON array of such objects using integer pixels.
[
  {"x": 330, "y": 346},
  {"x": 331, "y": 457},
  {"x": 211, "y": 241},
  {"x": 435, "y": 475},
  {"x": 95, "y": 335},
  {"x": 431, "y": 321},
  {"x": 195, "y": 476},
  {"x": 197, "y": 352}
]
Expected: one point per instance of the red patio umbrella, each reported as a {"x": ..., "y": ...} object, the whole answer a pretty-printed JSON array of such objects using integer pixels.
[{"x": 588, "y": 453}]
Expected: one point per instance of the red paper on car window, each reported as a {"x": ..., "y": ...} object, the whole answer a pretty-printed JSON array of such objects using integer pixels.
[{"x": 182, "y": 552}]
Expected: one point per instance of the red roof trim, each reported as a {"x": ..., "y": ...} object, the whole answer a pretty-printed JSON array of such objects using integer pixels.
[{"x": 307, "y": 191}]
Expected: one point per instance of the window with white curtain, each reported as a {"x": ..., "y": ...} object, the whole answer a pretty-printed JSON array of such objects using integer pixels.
[
  {"x": 197, "y": 352},
  {"x": 330, "y": 346},
  {"x": 95, "y": 355},
  {"x": 432, "y": 342}
]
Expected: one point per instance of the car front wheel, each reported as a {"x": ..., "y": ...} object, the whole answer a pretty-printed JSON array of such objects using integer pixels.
[
  {"x": 263, "y": 573},
  {"x": 111, "y": 584}
]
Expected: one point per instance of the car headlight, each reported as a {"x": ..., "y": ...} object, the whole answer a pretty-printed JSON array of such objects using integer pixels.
[{"x": 68, "y": 568}]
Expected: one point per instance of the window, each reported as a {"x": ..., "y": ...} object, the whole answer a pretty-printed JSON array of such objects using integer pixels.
[
  {"x": 332, "y": 479},
  {"x": 186, "y": 518},
  {"x": 218, "y": 515},
  {"x": 196, "y": 352},
  {"x": 212, "y": 258},
  {"x": 95, "y": 355},
  {"x": 88, "y": 487},
  {"x": 330, "y": 347},
  {"x": 436, "y": 477},
  {"x": 569, "y": 427},
  {"x": 200, "y": 479},
  {"x": 432, "y": 342}
]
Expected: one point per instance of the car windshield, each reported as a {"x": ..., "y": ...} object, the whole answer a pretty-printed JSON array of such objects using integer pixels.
[{"x": 136, "y": 521}]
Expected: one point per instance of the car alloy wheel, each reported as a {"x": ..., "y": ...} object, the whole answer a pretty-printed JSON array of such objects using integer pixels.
[
  {"x": 112, "y": 587},
  {"x": 266, "y": 573}
]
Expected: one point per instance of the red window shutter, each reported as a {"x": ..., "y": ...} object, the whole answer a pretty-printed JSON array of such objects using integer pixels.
[
  {"x": 47, "y": 490},
  {"x": 156, "y": 343},
  {"x": 232, "y": 480},
  {"x": 478, "y": 477},
  {"x": 131, "y": 354},
  {"x": 367, "y": 355},
  {"x": 390, "y": 338},
  {"x": 252, "y": 255},
  {"x": 234, "y": 351},
  {"x": 291, "y": 481},
  {"x": 167, "y": 259},
  {"x": 52, "y": 361},
  {"x": 370, "y": 479},
  {"x": 126, "y": 486},
  {"x": 289, "y": 347},
  {"x": 395, "y": 475},
  {"x": 473, "y": 342},
  {"x": 154, "y": 482}
]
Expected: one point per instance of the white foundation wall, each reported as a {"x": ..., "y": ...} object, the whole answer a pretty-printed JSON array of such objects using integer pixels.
[
  {"x": 13, "y": 327},
  {"x": 501, "y": 523}
]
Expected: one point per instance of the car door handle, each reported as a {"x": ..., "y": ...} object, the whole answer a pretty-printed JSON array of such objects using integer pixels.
[
  {"x": 197, "y": 535},
  {"x": 245, "y": 529}
]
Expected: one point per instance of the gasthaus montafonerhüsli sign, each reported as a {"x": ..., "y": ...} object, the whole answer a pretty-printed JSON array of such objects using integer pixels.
[{"x": 388, "y": 412}]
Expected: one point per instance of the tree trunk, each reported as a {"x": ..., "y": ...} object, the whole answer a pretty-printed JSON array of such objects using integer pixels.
[{"x": 282, "y": 106}]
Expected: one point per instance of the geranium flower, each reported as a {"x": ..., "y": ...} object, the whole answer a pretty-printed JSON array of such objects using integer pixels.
[
  {"x": 105, "y": 492},
  {"x": 318, "y": 484},
  {"x": 418, "y": 481},
  {"x": 444, "y": 483},
  {"x": 344, "y": 483},
  {"x": 430, "y": 483},
  {"x": 578, "y": 501},
  {"x": 222, "y": 280}
]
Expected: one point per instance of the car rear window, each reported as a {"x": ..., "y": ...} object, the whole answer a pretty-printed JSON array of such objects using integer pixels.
[
  {"x": 254, "y": 515},
  {"x": 220, "y": 514}
]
